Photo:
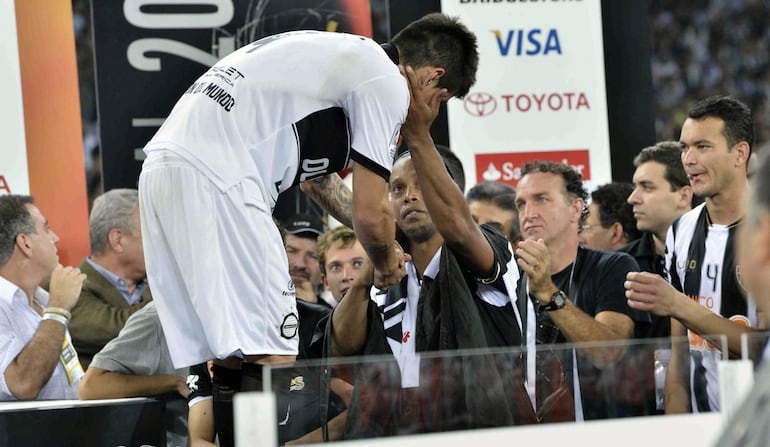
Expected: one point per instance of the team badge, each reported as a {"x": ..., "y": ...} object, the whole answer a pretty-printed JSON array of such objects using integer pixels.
[{"x": 290, "y": 326}]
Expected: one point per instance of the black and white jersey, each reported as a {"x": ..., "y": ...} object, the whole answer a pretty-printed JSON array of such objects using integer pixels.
[
  {"x": 399, "y": 317},
  {"x": 288, "y": 108},
  {"x": 718, "y": 291}
]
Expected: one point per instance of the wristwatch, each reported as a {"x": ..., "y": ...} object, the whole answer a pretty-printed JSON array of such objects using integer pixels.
[{"x": 558, "y": 301}]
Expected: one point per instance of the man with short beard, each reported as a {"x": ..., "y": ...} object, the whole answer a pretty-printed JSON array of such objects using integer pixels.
[
  {"x": 301, "y": 241},
  {"x": 456, "y": 295}
]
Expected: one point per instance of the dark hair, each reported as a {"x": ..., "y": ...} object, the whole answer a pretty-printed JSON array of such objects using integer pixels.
[
  {"x": 611, "y": 199},
  {"x": 500, "y": 194},
  {"x": 14, "y": 220},
  {"x": 669, "y": 154},
  {"x": 453, "y": 164},
  {"x": 573, "y": 181},
  {"x": 441, "y": 41},
  {"x": 739, "y": 125}
]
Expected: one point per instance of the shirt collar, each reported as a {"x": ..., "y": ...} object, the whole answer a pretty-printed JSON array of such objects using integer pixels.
[
  {"x": 116, "y": 281},
  {"x": 391, "y": 51},
  {"x": 9, "y": 290},
  {"x": 431, "y": 271}
]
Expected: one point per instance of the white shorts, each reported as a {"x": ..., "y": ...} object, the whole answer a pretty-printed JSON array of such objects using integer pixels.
[{"x": 216, "y": 265}]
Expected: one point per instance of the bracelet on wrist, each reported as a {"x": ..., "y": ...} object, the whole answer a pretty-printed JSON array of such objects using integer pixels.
[
  {"x": 59, "y": 311},
  {"x": 56, "y": 317}
]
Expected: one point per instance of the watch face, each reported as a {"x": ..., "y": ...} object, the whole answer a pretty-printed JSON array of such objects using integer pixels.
[{"x": 558, "y": 300}]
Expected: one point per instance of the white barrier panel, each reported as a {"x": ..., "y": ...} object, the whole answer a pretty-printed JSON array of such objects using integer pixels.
[
  {"x": 691, "y": 430},
  {"x": 254, "y": 419},
  {"x": 540, "y": 90}
]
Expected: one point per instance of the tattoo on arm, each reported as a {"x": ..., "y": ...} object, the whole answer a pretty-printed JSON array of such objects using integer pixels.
[{"x": 332, "y": 195}]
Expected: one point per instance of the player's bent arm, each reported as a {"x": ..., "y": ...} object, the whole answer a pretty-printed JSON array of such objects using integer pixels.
[
  {"x": 677, "y": 385},
  {"x": 331, "y": 194},
  {"x": 373, "y": 217},
  {"x": 100, "y": 383},
  {"x": 448, "y": 209}
]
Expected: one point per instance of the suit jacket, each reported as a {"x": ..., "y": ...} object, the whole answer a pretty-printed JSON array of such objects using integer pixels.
[{"x": 100, "y": 313}]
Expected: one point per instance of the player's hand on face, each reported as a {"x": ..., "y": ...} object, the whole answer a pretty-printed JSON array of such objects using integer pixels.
[{"x": 424, "y": 104}]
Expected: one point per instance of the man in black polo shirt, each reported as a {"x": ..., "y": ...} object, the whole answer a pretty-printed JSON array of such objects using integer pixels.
[{"x": 661, "y": 194}]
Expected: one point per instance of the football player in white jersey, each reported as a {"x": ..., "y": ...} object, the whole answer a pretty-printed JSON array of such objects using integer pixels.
[
  {"x": 705, "y": 298},
  {"x": 279, "y": 112}
]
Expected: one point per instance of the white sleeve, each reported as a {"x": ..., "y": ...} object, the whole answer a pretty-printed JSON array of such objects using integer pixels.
[{"x": 377, "y": 109}]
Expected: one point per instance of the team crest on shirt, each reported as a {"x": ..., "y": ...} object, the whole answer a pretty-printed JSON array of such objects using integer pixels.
[{"x": 290, "y": 326}]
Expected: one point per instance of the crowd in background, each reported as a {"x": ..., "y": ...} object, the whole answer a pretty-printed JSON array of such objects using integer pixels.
[{"x": 706, "y": 46}]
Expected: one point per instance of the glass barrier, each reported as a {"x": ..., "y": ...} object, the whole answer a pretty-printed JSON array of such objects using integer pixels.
[
  {"x": 753, "y": 345},
  {"x": 380, "y": 396}
]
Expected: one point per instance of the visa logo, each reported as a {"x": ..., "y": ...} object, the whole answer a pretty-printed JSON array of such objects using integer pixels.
[{"x": 528, "y": 43}]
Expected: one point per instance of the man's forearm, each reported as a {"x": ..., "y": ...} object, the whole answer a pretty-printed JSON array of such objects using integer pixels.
[
  {"x": 704, "y": 322},
  {"x": 349, "y": 322},
  {"x": 331, "y": 194},
  {"x": 677, "y": 385},
  {"x": 32, "y": 368},
  {"x": 102, "y": 384}
]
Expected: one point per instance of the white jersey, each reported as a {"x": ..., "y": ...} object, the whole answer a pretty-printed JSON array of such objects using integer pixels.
[
  {"x": 704, "y": 356},
  {"x": 288, "y": 108}
]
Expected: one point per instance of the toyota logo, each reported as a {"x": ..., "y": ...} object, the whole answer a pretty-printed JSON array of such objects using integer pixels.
[{"x": 480, "y": 104}]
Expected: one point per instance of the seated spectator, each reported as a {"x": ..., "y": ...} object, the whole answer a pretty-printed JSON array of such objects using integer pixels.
[
  {"x": 37, "y": 359},
  {"x": 610, "y": 223},
  {"x": 137, "y": 363},
  {"x": 116, "y": 285},
  {"x": 494, "y": 203},
  {"x": 340, "y": 257}
]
